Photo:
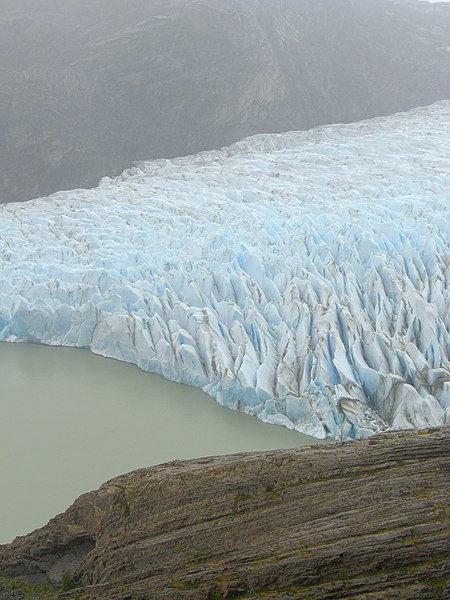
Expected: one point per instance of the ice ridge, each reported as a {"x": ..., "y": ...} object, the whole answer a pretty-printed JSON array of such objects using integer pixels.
[{"x": 301, "y": 277}]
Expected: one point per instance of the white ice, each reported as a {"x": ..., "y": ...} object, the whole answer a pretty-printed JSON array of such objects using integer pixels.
[{"x": 300, "y": 277}]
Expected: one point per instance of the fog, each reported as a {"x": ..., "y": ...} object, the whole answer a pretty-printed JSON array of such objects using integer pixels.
[{"x": 89, "y": 87}]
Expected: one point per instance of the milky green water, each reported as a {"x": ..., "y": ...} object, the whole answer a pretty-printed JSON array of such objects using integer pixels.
[{"x": 71, "y": 420}]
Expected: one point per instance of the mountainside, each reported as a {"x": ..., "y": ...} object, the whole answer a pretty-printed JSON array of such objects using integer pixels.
[
  {"x": 302, "y": 277},
  {"x": 86, "y": 88},
  {"x": 364, "y": 520}
]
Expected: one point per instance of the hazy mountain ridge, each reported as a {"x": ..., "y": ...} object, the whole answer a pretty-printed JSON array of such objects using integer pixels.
[{"x": 88, "y": 88}]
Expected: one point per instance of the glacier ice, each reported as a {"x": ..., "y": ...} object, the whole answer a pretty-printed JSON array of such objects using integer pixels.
[{"x": 301, "y": 277}]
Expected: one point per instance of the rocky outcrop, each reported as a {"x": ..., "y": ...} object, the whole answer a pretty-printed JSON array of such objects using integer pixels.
[
  {"x": 365, "y": 519},
  {"x": 88, "y": 87}
]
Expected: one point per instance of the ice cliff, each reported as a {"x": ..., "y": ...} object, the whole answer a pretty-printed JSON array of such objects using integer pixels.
[{"x": 300, "y": 277}]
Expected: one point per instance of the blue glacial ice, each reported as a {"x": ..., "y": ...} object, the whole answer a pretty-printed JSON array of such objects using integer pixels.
[{"x": 300, "y": 277}]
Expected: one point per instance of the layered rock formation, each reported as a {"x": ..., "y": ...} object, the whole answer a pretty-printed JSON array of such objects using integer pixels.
[
  {"x": 365, "y": 519},
  {"x": 88, "y": 87}
]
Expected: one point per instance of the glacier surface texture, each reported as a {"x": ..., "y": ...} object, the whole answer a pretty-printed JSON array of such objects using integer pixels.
[{"x": 300, "y": 277}]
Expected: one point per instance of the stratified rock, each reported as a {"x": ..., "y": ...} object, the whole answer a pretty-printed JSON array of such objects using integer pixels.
[
  {"x": 89, "y": 86},
  {"x": 360, "y": 520}
]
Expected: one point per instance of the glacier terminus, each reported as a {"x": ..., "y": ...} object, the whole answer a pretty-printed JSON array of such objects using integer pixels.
[{"x": 301, "y": 277}]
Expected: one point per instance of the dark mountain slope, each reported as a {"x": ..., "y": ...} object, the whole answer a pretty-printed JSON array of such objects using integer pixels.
[{"x": 88, "y": 87}]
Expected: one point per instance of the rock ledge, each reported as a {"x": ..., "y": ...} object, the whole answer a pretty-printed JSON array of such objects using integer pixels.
[{"x": 366, "y": 519}]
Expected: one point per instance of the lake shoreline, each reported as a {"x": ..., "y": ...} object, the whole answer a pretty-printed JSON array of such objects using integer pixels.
[
  {"x": 72, "y": 419},
  {"x": 318, "y": 522}
]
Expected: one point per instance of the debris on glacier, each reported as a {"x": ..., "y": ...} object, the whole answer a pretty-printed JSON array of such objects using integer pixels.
[{"x": 300, "y": 277}]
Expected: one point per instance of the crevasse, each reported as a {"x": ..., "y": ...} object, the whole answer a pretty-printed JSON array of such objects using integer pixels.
[{"x": 301, "y": 277}]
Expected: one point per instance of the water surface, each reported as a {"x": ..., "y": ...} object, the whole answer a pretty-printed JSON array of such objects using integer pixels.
[{"x": 70, "y": 420}]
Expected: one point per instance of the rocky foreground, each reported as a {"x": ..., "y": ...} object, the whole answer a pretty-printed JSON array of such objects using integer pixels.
[{"x": 365, "y": 519}]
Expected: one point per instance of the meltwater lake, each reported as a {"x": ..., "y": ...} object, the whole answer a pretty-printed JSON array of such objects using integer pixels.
[{"x": 70, "y": 420}]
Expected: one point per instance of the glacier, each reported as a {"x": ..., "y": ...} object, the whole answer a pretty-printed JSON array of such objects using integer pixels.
[{"x": 301, "y": 277}]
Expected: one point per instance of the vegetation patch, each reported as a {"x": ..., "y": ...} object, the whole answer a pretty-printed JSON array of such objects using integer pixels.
[
  {"x": 67, "y": 581},
  {"x": 31, "y": 591}
]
